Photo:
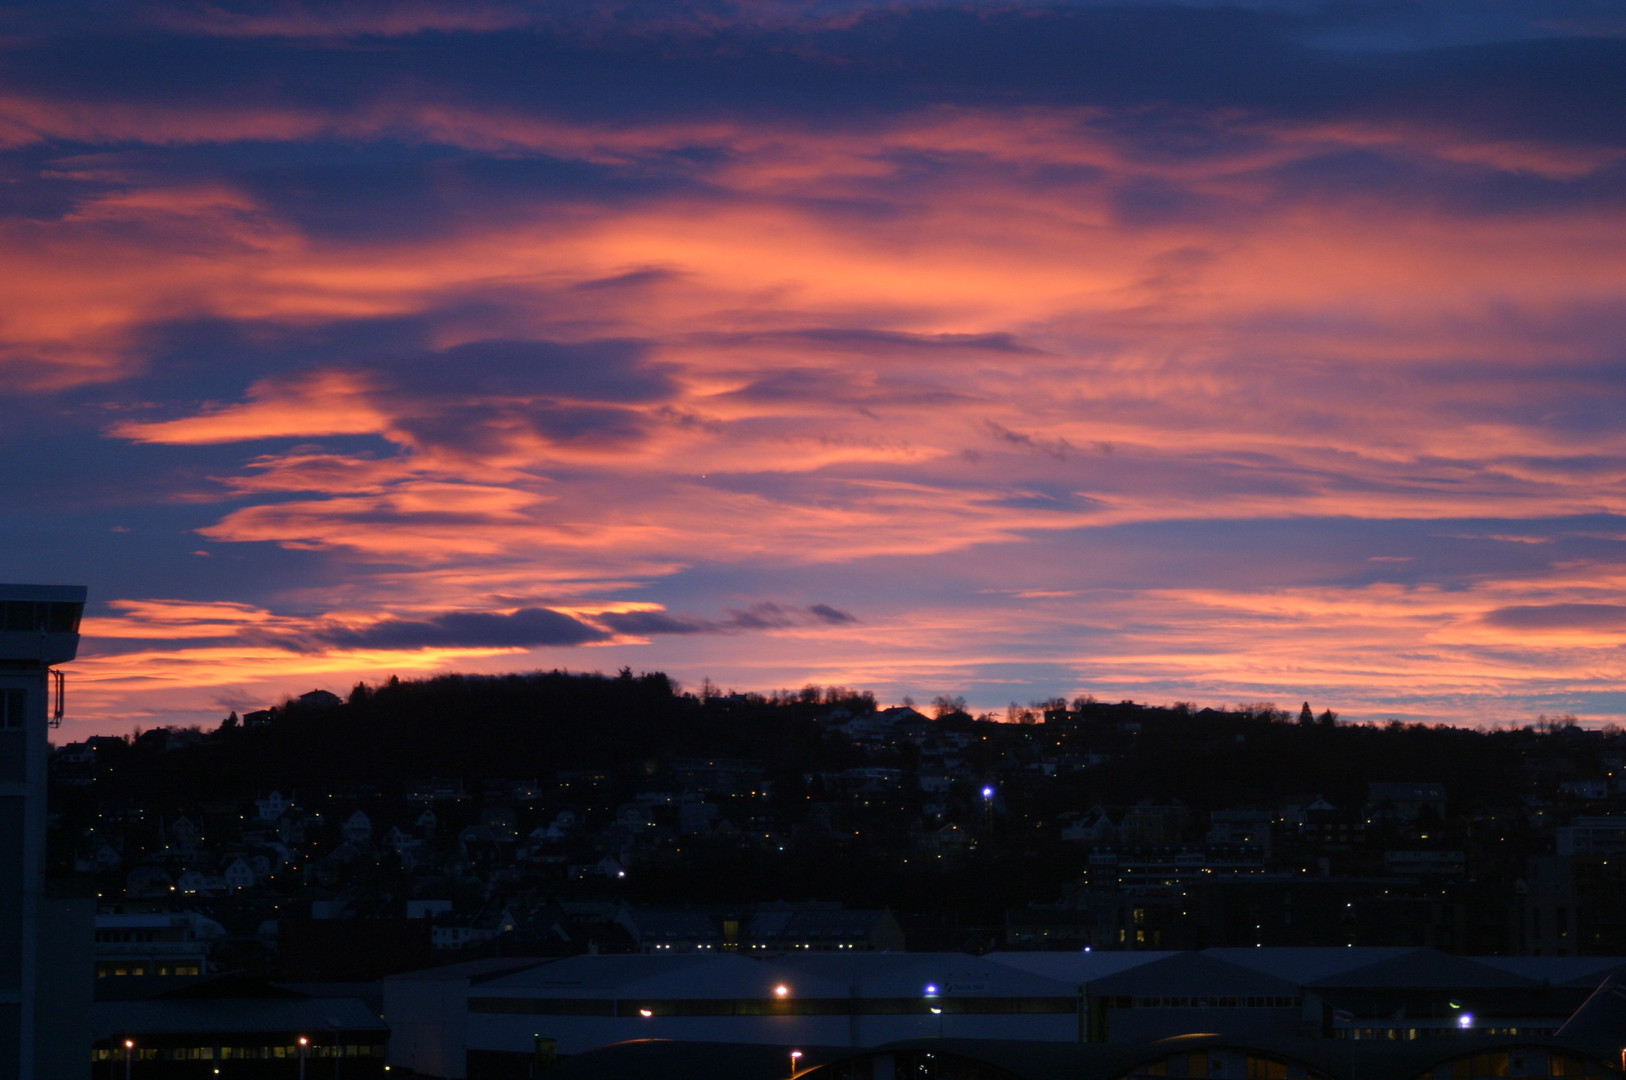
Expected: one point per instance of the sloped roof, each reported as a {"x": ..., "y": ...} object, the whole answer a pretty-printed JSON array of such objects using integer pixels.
[
  {"x": 1186, "y": 974},
  {"x": 1077, "y": 967},
  {"x": 1429, "y": 969},
  {"x": 882, "y": 975},
  {"x": 1558, "y": 970},
  {"x": 674, "y": 924},
  {"x": 679, "y": 975},
  {"x": 1306, "y": 964},
  {"x": 1601, "y": 1016}
]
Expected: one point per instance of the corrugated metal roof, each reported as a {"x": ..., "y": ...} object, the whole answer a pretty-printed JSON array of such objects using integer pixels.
[
  {"x": 1419, "y": 969},
  {"x": 1303, "y": 964},
  {"x": 1077, "y": 967},
  {"x": 908, "y": 974},
  {"x": 1185, "y": 974},
  {"x": 1558, "y": 970},
  {"x": 680, "y": 975},
  {"x": 1601, "y": 1016}
]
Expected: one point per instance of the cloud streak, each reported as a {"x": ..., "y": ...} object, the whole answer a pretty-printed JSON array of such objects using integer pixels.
[{"x": 1186, "y": 351}]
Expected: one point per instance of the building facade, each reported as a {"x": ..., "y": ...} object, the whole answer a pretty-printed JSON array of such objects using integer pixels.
[{"x": 39, "y": 627}]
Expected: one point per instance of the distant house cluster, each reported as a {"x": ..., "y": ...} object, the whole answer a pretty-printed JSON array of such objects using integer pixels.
[{"x": 460, "y": 865}]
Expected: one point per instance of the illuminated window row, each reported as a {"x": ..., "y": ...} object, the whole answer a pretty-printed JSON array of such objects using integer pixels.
[
  {"x": 163, "y": 970},
  {"x": 786, "y": 1006},
  {"x": 235, "y": 1053},
  {"x": 1264, "y": 1002}
]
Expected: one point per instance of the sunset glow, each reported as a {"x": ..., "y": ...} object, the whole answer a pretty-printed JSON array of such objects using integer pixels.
[{"x": 1221, "y": 353}]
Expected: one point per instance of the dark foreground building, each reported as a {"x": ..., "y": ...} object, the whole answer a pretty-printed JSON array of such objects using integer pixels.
[
  {"x": 1208, "y": 1056},
  {"x": 1327, "y": 1013},
  {"x": 42, "y": 1005},
  {"x": 243, "y": 1029}
]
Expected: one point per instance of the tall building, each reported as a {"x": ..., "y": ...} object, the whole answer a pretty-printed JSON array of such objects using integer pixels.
[{"x": 39, "y": 627}]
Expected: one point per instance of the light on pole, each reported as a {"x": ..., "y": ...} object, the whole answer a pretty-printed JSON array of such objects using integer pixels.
[
  {"x": 795, "y": 1059},
  {"x": 129, "y": 1052},
  {"x": 304, "y": 1044}
]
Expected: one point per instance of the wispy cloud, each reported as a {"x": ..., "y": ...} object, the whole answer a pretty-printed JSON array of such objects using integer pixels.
[{"x": 1195, "y": 350}]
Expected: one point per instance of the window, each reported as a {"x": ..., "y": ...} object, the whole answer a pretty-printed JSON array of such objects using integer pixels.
[
  {"x": 13, "y": 708},
  {"x": 33, "y": 616}
]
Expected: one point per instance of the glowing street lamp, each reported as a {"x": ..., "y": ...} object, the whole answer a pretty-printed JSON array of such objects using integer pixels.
[
  {"x": 795, "y": 1059},
  {"x": 304, "y": 1044},
  {"x": 934, "y": 1008},
  {"x": 129, "y": 1051}
]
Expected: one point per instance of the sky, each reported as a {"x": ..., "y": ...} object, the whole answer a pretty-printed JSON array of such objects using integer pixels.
[{"x": 1224, "y": 352}]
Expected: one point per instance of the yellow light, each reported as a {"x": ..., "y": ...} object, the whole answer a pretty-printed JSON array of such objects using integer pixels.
[
  {"x": 645, "y": 1012},
  {"x": 781, "y": 990}
]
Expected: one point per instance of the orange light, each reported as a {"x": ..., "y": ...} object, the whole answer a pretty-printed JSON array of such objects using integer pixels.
[{"x": 781, "y": 990}]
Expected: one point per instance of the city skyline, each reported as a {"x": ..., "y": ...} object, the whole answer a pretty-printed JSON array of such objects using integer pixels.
[{"x": 1213, "y": 352}]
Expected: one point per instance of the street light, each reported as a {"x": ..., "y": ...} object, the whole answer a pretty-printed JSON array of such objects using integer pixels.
[
  {"x": 933, "y": 1007},
  {"x": 304, "y": 1044},
  {"x": 129, "y": 1050},
  {"x": 795, "y": 1058}
]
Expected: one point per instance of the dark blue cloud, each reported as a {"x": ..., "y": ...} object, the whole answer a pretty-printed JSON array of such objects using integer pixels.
[
  {"x": 1129, "y": 56},
  {"x": 610, "y": 370},
  {"x": 1402, "y": 177},
  {"x": 387, "y": 190},
  {"x": 631, "y": 280},
  {"x": 1559, "y": 617},
  {"x": 489, "y": 427},
  {"x": 526, "y": 628},
  {"x": 764, "y": 615},
  {"x": 832, "y": 615},
  {"x": 847, "y": 387},
  {"x": 653, "y": 623},
  {"x": 474, "y": 397}
]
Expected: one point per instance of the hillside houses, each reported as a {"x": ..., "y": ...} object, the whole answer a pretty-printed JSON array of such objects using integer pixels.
[{"x": 1113, "y": 826}]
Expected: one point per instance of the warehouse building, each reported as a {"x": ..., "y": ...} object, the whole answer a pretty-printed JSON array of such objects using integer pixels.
[{"x": 478, "y": 1022}]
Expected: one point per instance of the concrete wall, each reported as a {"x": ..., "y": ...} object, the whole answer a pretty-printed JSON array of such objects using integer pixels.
[
  {"x": 428, "y": 1021},
  {"x": 65, "y": 988}
]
